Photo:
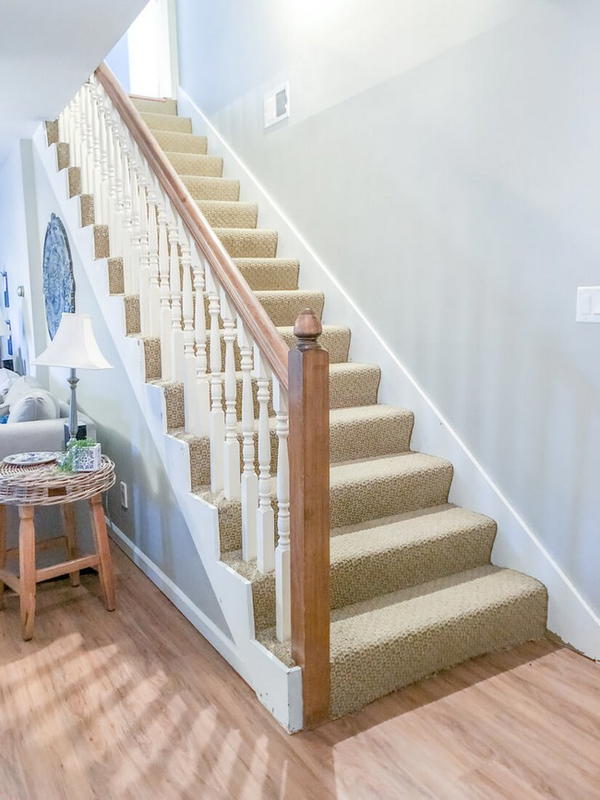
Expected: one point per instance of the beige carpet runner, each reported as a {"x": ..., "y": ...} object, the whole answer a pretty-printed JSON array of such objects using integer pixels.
[{"x": 413, "y": 590}]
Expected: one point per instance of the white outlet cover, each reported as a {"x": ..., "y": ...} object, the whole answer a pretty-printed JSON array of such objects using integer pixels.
[
  {"x": 277, "y": 105},
  {"x": 588, "y": 304},
  {"x": 123, "y": 492}
]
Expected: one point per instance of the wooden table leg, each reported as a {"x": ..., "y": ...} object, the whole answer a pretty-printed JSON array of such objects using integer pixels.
[
  {"x": 67, "y": 511},
  {"x": 105, "y": 569},
  {"x": 2, "y": 549},
  {"x": 27, "y": 570}
]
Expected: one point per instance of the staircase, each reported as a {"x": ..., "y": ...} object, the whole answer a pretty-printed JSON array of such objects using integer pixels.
[{"x": 412, "y": 589}]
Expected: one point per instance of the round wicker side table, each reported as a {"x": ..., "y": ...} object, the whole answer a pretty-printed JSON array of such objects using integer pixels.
[{"x": 28, "y": 487}]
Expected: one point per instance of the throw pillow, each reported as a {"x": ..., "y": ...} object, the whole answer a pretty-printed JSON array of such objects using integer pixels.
[
  {"x": 19, "y": 388},
  {"x": 7, "y": 378},
  {"x": 38, "y": 404}
]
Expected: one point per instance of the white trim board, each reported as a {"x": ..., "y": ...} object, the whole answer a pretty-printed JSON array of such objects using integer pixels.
[
  {"x": 517, "y": 545},
  {"x": 222, "y": 644}
]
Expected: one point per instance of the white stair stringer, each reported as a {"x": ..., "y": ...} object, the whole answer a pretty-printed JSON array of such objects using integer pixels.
[{"x": 277, "y": 686}]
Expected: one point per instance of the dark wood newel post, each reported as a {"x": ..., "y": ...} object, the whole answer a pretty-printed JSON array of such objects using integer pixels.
[{"x": 308, "y": 371}]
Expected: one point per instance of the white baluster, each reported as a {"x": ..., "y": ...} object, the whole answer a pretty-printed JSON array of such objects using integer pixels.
[
  {"x": 177, "y": 366},
  {"x": 88, "y": 158},
  {"x": 265, "y": 520},
  {"x": 165, "y": 292},
  {"x": 103, "y": 184},
  {"x": 231, "y": 466},
  {"x": 82, "y": 94},
  {"x": 283, "y": 596},
  {"x": 71, "y": 133},
  {"x": 135, "y": 228},
  {"x": 142, "y": 204},
  {"x": 153, "y": 262},
  {"x": 75, "y": 146},
  {"x": 126, "y": 244},
  {"x": 200, "y": 418},
  {"x": 190, "y": 406},
  {"x": 96, "y": 159},
  {"x": 249, "y": 483},
  {"x": 217, "y": 418},
  {"x": 117, "y": 209},
  {"x": 62, "y": 125}
]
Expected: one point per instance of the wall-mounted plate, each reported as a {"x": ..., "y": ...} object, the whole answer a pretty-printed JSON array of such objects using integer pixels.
[{"x": 277, "y": 105}]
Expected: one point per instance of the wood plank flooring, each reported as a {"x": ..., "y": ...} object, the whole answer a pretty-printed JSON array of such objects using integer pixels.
[{"x": 136, "y": 704}]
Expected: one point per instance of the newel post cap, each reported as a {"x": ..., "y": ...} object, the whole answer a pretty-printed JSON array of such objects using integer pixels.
[{"x": 307, "y": 329}]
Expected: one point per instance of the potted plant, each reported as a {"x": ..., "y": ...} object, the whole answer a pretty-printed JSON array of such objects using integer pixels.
[{"x": 82, "y": 455}]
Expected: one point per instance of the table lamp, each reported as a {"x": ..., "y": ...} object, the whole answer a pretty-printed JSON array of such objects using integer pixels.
[{"x": 75, "y": 347}]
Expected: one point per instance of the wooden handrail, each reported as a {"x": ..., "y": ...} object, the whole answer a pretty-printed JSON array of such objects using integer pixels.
[{"x": 259, "y": 324}]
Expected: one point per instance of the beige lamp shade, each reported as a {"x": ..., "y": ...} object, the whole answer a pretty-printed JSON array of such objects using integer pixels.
[
  {"x": 4, "y": 329},
  {"x": 74, "y": 345}
]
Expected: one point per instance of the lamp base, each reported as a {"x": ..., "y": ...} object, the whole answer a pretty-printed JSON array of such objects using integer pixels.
[{"x": 81, "y": 432}]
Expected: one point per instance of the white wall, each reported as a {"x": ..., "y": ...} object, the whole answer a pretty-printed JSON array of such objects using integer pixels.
[
  {"x": 442, "y": 161},
  {"x": 20, "y": 254}
]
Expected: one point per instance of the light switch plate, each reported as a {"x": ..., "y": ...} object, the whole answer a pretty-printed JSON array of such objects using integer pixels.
[{"x": 588, "y": 304}]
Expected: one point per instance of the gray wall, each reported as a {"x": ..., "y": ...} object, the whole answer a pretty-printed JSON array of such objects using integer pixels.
[
  {"x": 443, "y": 160},
  {"x": 15, "y": 243}
]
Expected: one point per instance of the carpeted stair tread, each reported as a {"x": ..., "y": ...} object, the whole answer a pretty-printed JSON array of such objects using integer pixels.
[
  {"x": 284, "y": 306},
  {"x": 364, "y": 432},
  {"x": 353, "y": 384},
  {"x": 248, "y": 243},
  {"x": 199, "y": 449},
  {"x": 229, "y": 214},
  {"x": 151, "y": 105},
  {"x": 343, "y": 392},
  {"x": 407, "y": 549},
  {"x": 335, "y": 339},
  {"x": 381, "y": 487},
  {"x": 167, "y": 122},
  {"x": 175, "y": 142},
  {"x": 131, "y": 306},
  {"x": 202, "y": 188},
  {"x": 198, "y": 164},
  {"x": 390, "y": 641},
  {"x": 369, "y": 431},
  {"x": 116, "y": 278},
  {"x": 387, "y": 556},
  {"x": 266, "y": 274},
  {"x": 378, "y": 487}
]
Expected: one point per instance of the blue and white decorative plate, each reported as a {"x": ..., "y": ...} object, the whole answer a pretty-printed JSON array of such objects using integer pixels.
[
  {"x": 59, "y": 283},
  {"x": 31, "y": 459}
]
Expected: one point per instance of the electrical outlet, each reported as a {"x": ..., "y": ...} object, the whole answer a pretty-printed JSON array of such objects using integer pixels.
[{"x": 124, "y": 499}]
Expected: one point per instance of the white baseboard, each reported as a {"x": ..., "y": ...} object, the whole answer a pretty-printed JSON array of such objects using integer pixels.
[
  {"x": 517, "y": 545},
  {"x": 222, "y": 644}
]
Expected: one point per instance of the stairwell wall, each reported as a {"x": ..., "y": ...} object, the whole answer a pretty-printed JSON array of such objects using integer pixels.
[
  {"x": 441, "y": 161},
  {"x": 19, "y": 247}
]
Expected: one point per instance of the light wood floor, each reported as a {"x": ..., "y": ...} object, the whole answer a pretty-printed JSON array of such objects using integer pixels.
[{"x": 135, "y": 704}]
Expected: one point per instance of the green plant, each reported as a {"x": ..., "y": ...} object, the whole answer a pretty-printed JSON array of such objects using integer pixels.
[{"x": 65, "y": 462}]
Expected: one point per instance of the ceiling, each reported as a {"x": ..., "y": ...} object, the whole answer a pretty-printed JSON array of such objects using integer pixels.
[{"x": 47, "y": 50}]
